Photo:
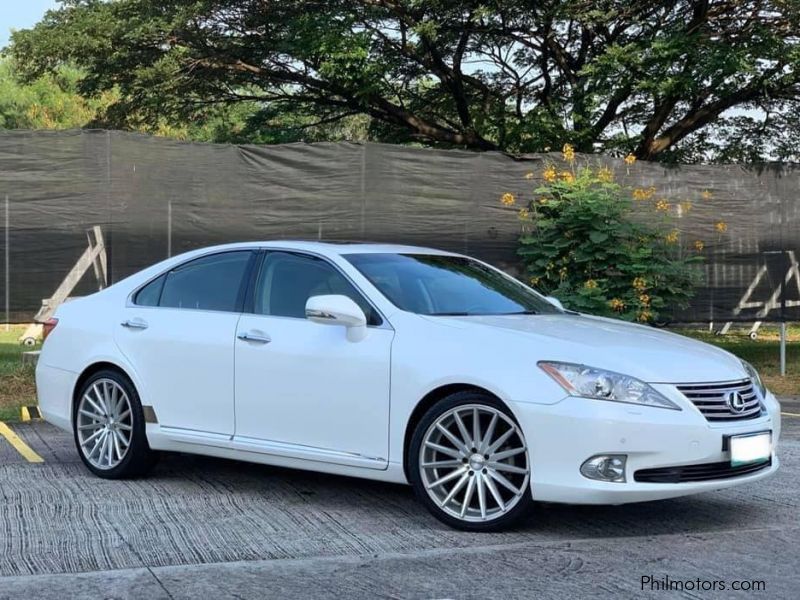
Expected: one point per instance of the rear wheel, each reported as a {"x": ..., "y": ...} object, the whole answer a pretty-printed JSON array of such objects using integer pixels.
[
  {"x": 109, "y": 427},
  {"x": 468, "y": 463}
]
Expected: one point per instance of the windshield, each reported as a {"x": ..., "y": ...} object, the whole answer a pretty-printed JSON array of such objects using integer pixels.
[{"x": 429, "y": 284}]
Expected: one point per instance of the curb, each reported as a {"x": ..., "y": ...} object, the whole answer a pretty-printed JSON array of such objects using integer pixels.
[{"x": 29, "y": 413}]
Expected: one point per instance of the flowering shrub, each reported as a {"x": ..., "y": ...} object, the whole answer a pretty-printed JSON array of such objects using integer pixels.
[{"x": 582, "y": 243}]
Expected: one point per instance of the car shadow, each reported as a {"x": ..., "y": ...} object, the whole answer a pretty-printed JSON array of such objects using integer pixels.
[{"x": 393, "y": 503}]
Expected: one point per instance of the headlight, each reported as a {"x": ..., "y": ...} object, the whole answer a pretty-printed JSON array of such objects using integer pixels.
[
  {"x": 588, "y": 382},
  {"x": 753, "y": 374}
]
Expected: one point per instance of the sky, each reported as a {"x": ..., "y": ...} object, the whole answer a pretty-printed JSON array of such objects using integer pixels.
[{"x": 21, "y": 14}]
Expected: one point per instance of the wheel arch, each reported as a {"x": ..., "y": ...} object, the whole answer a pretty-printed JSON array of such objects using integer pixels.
[
  {"x": 88, "y": 371},
  {"x": 431, "y": 398}
]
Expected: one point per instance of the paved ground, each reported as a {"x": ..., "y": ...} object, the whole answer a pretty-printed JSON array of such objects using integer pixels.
[{"x": 207, "y": 528}]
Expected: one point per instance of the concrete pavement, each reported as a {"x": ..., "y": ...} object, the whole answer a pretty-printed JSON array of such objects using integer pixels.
[{"x": 201, "y": 527}]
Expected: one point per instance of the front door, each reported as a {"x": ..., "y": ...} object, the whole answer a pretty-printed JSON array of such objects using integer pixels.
[{"x": 302, "y": 389}]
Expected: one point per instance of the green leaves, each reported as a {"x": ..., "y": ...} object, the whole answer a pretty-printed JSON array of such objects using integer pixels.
[
  {"x": 49, "y": 102},
  {"x": 598, "y": 237},
  {"x": 596, "y": 256},
  {"x": 672, "y": 81}
]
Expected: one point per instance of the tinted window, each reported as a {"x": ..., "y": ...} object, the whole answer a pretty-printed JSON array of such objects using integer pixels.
[
  {"x": 287, "y": 281},
  {"x": 209, "y": 283},
  {"x": 447, "y": 285},
  {"x": 150, "y": 294}
]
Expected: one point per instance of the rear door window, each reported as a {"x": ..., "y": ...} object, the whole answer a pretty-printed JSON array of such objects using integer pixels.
[{"x": 213, "y": 282}]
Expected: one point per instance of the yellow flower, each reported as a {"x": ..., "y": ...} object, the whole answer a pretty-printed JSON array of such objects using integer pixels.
[
  {"x": 705, "y": 195},
  {"x": 722, "y": 227},
  {"x": 524, "y": 213},
  {"x": 543, "y": 200},
  {"x": 550, "y": 174},
  {"x": 568, "y": 152},
  {"x": 605, "y": 175},
  {"x": 699, "y": 245},
  {"x": 616, "y": 304},
  {"x": 644, "y": 299},
  {"x": 528, "y": 175},
  {"x": 508, "y": 199},
  {"x": 662, "y": 205},
  {"x": 590, "y": 284},
  {"x": 644, "y": 316},
  {"x": 562, "y": 272},
  {"x": 643, "y": 193},
  {"x": 630, "y": 159},
  {"x": 567, "y": 176},
  {"x": 640, "y": 284},
  {"x": 686, "y": 206},
  {"x": 672, "y": 236},
  {"x": 534, "y": 280}
]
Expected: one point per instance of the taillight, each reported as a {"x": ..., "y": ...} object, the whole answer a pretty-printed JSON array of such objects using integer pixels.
[{"x": 48, "y": 327}]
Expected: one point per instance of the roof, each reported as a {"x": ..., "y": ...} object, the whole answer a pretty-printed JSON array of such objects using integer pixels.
[{"x": 340, "y": 248}]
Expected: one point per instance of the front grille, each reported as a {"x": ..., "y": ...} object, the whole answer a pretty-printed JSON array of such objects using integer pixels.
[
  {"x": 704, "y": 472},
  {"x": 711, "y": 400}
]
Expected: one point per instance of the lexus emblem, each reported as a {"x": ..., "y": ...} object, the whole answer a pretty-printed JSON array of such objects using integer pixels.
[{"x": 735, "y": 401}]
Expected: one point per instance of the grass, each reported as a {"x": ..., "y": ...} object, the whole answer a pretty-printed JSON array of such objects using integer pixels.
[
  {"x": 16, "y": 380},
  {"x": 17, "y": 387}
]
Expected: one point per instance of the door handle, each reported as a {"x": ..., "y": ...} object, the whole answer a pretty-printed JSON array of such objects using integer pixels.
[
  {"x": 251, "y": 336},
  {"x": 135, "y": 324}
]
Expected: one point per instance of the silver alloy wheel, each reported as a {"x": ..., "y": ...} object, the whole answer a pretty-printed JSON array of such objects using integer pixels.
[
  {"x": 474, "y": 463},
  {"x": 105, "y": 424}
]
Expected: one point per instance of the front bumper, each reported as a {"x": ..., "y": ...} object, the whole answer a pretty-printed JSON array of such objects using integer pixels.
[{"x": 562, "y": 436}]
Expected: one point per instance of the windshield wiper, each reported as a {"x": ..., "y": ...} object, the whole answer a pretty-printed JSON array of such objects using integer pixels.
[{"x": 523, "y": 312}]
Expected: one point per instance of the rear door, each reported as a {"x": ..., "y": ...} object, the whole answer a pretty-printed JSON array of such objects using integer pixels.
[{"x": 178, "y": 334}]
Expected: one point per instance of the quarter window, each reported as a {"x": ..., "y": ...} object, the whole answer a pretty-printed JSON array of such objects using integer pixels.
[
  {"x": 150, "y": 294},
  {"x": 209, "y": 283},
  {"x": 287, "y": 281}
]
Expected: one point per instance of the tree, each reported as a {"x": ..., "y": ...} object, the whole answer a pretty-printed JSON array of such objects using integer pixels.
[
  {"x": 49, "y": 102},
  {"x": 666, "y": 80},
  {"x": 604, "y": 248}
]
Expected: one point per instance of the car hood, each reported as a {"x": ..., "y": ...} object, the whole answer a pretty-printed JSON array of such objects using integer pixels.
[{"x": 649, "y": 354}]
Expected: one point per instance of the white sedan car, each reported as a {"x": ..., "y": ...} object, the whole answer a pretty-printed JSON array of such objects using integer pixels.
[{"x": 401, "y": 364}]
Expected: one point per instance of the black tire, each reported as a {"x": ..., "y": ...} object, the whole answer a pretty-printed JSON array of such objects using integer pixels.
[
  {"x": 139, "y": 458},
  {"x": 504, "y": 521}
]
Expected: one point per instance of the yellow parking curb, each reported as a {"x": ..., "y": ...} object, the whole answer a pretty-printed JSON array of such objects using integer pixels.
[
  {"x": 28, "y": 413},
  {"x": 790, "y": 414},
  {"x": 20, "y": 446}
]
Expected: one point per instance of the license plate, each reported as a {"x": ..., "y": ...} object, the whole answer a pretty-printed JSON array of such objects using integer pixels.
[{"x": 750, "y": 448}]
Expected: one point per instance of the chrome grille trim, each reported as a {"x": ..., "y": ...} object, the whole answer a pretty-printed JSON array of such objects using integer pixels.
[{"x": 709, "y": 398}]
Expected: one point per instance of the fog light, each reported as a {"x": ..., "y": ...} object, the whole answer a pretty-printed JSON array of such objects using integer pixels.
[{"x": 605, "y": 467}]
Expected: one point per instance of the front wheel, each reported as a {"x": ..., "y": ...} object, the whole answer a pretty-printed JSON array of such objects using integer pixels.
[
  {"x": 468, "y": 463},
  {"x": 109, "y": 427}
]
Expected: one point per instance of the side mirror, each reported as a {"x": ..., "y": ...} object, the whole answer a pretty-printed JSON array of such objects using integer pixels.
[
  {"x": 555, "y": 302},
  {"x": 334, "y": 309}
]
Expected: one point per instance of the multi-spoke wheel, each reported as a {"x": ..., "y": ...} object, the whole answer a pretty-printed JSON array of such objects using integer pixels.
[
  {"x": 469, "y": 463},
  {"x": 104, "y": 424},
  {"x": 109, "y": 427}
]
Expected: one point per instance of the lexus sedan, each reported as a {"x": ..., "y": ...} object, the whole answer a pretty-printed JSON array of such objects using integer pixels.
[{"x": 401, "y": 364}]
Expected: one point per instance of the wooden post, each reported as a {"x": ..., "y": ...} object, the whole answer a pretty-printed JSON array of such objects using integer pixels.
[{"x": 94, "y": 256}]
